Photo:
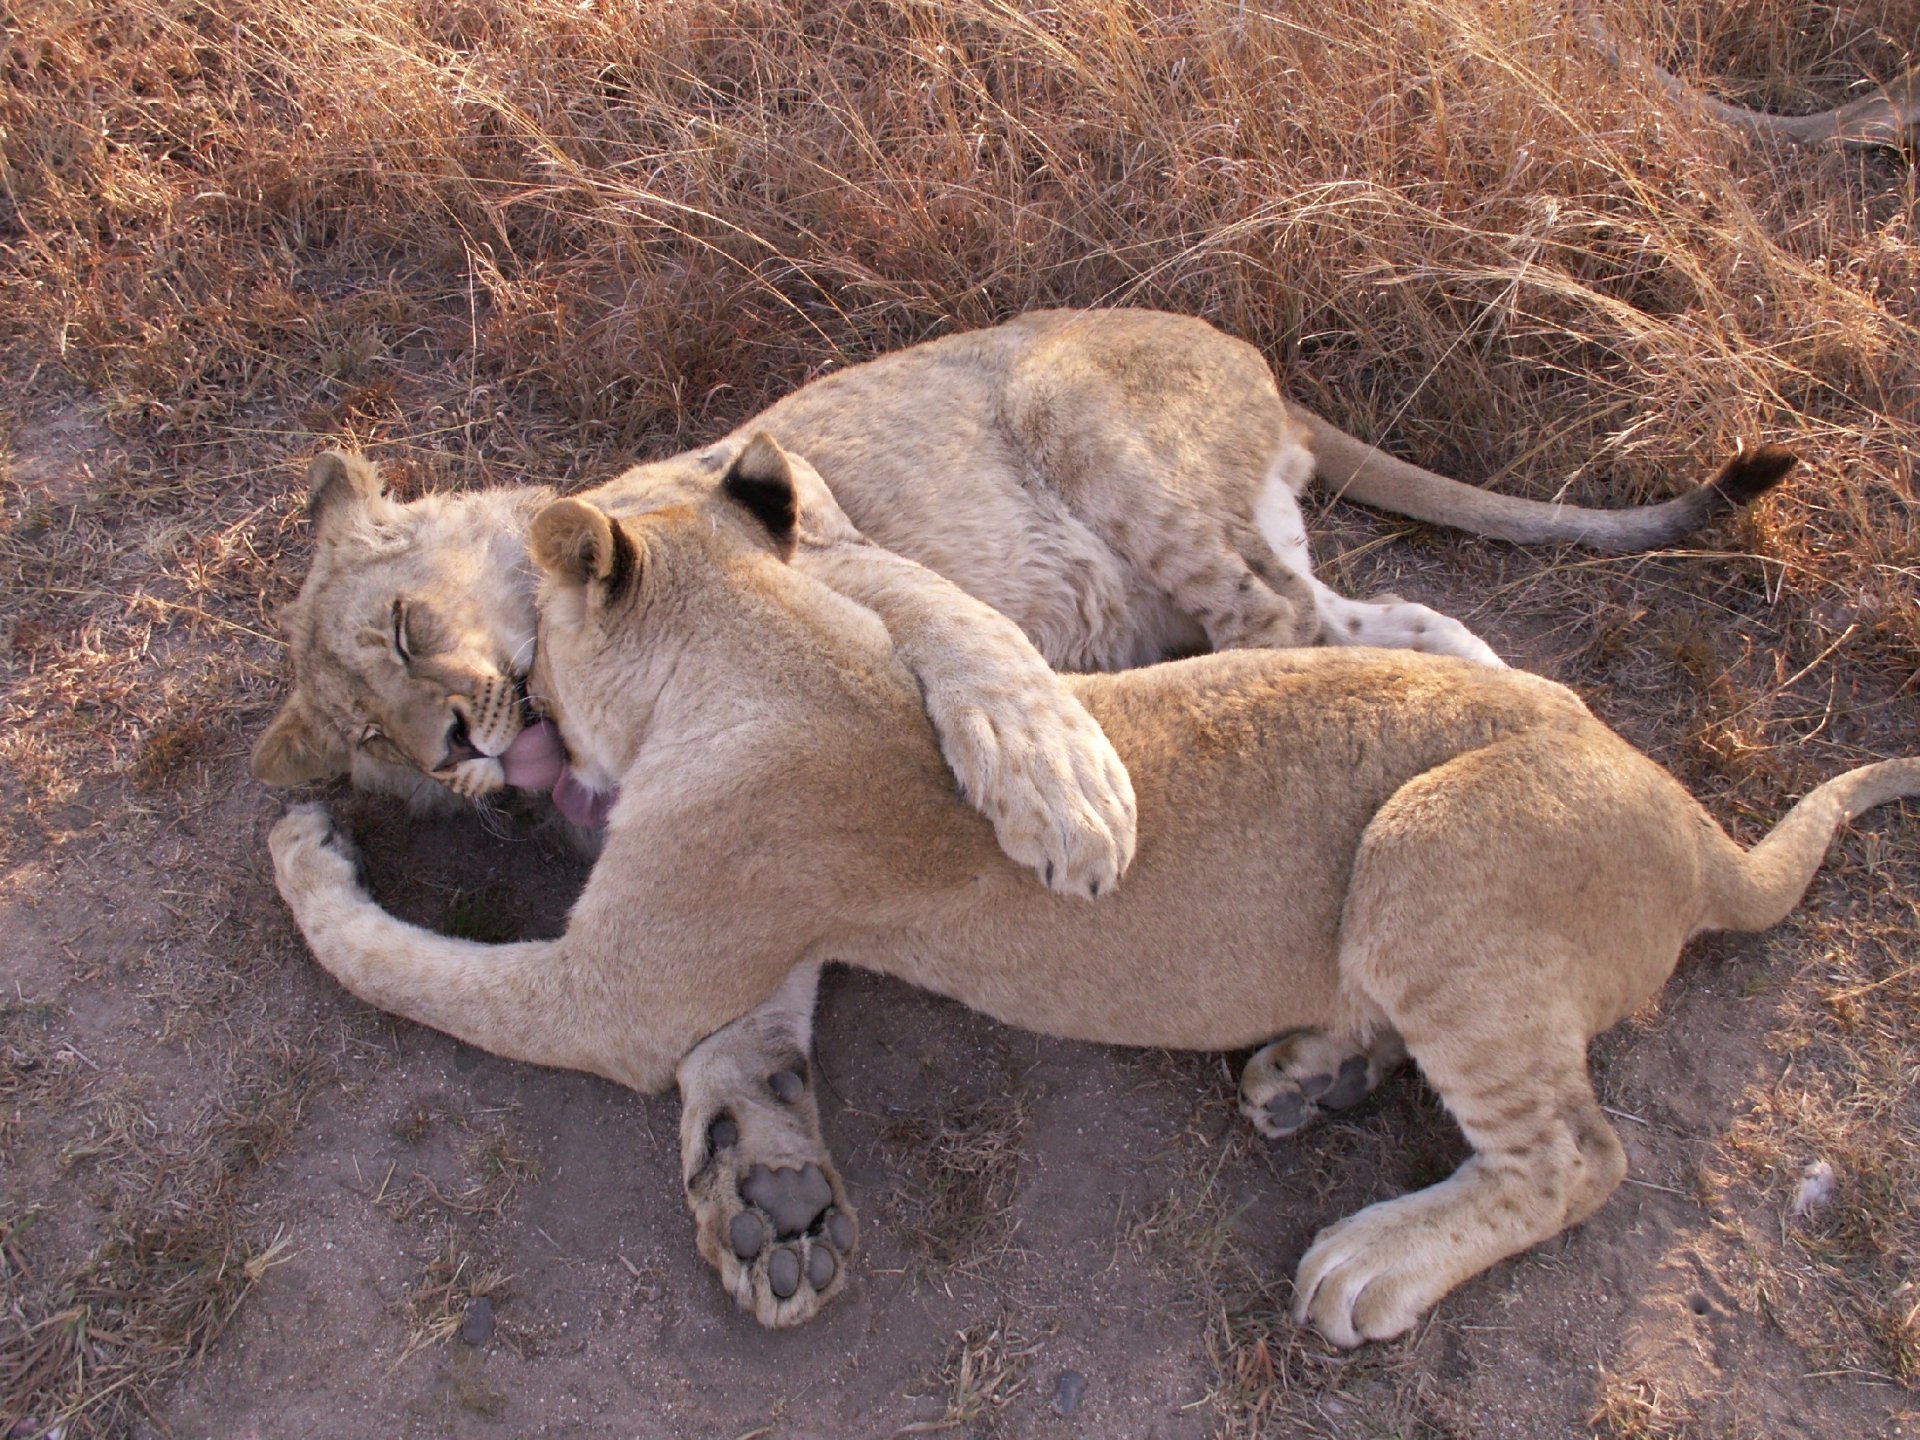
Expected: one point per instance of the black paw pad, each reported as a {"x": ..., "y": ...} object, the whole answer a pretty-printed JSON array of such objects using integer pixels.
[
  {"x": 787, "y": 1086},
  {"x": 783, "y": 1273},
  {"x": 746, "y": 1234},
  {"x": 793, "y": 1198},
  {"x": 821, "y": 1267},
  {"x": 1350, "y": 1086},
  {"x": 723, "y": 1133},
  {"x": 840, "y": 1231},
  {"x": 1289, "y": 1110}
]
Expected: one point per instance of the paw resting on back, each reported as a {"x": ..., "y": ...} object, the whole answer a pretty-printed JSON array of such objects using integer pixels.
[
  {"x": 770, "y": 1213},
  {"x": 1048, "y": 778}
]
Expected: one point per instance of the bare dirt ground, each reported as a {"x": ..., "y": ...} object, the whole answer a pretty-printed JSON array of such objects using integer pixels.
[{"x": 234, "y": 1202}]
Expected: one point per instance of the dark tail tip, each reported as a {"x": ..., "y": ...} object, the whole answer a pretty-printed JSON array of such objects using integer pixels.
[{"x": 1751, "y": 473}]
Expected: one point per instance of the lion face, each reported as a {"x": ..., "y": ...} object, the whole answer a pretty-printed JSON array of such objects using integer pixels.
[{"x": 410, "y": 638}]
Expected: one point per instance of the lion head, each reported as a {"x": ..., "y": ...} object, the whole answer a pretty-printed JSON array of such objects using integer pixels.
[{"x": 410, "y": 638}]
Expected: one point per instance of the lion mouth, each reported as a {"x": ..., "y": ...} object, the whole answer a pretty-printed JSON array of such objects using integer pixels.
[{"x": 537, "y": 760}]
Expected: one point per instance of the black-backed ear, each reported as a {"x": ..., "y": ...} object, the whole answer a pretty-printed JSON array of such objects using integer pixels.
[
  {"x": 295, "y": 750},
  {"x": 761, "y": 480},
  {"x": 579, "y": 543},
  {"x": 340, "y": 487}
]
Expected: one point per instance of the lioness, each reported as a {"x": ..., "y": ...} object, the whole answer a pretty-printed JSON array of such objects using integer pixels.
[
  {"x": 1121, "y": 483},
  {"x": 1368, "y": 849}
]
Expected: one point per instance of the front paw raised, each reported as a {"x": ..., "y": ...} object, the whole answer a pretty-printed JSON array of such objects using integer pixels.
[
  {"x": 770, "y": 1213},
  {"x": 1043, "y": 771}
]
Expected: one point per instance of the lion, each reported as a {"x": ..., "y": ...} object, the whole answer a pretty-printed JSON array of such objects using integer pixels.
[
  {"x": 1368, "y": 853},
  {"x": 1116, "y": 486}
]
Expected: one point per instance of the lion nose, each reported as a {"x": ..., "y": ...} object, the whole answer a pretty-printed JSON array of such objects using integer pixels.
[{"x": 460, "y": 744}]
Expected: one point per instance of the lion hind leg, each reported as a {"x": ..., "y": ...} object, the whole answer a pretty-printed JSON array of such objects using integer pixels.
[
  {"x": 1475, "y": 905},
  {"x": 1395, "y": 624},
  {"x": 1544, "y": 1158},
  {"x": 1288, "y": 1085},
  {"x": 770, "y": 1211},
  {"x": 1216, "y": 568}
]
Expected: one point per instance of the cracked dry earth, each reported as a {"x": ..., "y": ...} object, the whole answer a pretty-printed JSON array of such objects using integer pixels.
[{"x": 1055, "y": 1239}]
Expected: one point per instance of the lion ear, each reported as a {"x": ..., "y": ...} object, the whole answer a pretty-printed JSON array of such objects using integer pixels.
[
  {"x": 340, "y": 489},
  {"x": 295, "y": 750},
  {"x": 761, "y": 480},
  {"x": 581, "y": 545}
]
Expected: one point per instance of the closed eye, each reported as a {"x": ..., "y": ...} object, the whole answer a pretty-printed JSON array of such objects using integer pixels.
[{"x": 401, "y": 648}]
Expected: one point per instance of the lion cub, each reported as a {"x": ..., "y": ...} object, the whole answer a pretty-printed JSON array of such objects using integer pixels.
[{"x": 1356, "y": 850}]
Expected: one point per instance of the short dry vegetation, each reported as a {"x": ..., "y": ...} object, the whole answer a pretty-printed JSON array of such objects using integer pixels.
[{"x": 498, "y": 241}]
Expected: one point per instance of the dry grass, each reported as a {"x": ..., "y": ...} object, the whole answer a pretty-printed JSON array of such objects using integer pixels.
[
  {"x": 986, "y": 1366},
  {"x": 497, "y": 241},
  {"x": 83, "y": 1343},
  {"x": 957, "y": 1184},
  {"x": 440, "y": 1301}
]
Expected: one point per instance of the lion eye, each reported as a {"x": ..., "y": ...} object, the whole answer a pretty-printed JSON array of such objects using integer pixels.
[{"x": 400, "y": 646}]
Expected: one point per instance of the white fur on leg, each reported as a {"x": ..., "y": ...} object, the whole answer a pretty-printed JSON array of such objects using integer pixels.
[{"x": 1389, "y": 624}]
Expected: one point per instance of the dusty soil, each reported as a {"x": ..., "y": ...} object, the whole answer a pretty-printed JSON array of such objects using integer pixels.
[{"x": 1058, "y": 1239}]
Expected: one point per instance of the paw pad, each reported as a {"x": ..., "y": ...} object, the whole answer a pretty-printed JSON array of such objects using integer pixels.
[
  {"x": 1341, "y": 1091},
  {"x": 783, "y": 1273},
  {"x": 793, "y": 1198}
]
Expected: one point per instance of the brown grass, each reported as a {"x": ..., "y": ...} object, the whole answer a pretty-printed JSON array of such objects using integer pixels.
[
  {"x": 498, "y": 241},
  {"x": 957, "y": 1181}
]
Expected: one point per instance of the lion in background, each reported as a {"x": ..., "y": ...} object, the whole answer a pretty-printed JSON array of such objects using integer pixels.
[
  {"x": 1364, "y": 852},
  {"x": 1116, "y": 486}
]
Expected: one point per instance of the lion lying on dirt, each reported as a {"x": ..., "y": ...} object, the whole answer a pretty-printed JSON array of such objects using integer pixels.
[
  {"x": 1122, "y": 484},
  {"x": 1358, "y": 850}
]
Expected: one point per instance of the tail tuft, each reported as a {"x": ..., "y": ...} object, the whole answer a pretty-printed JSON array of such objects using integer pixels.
[{"x": 1752, "y": 473}]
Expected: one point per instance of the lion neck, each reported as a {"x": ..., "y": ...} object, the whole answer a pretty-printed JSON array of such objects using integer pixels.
[{"x": 725, "y": 641}]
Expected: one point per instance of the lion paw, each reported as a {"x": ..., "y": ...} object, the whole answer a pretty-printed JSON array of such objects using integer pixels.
[
  {"x": 311, "y": 854},
  {"x": 1046, "y": 775},
  {"x": 1371, "y": 1276},
  {"x": 1288, "y": 1085},
  {"x": 770, "y": 1212}
]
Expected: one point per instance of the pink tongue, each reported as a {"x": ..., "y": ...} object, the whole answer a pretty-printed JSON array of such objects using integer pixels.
[
  {"x": 537, "y": 761},
  {"x": 584, "y": 807}
]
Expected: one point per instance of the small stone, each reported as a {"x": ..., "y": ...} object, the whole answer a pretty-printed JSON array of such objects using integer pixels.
[
  {"x": 1068, "y": 1391},
  {"x": 476, "y": 1326}
]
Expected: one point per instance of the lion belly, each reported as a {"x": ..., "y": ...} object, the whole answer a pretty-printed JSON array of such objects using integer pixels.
[{"x": 1257, "y": 775}]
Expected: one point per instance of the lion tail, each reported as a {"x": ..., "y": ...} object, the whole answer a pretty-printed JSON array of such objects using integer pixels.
[
  {"x": 1755, "y": 889},
  {"x": 1353, "y": 470}
]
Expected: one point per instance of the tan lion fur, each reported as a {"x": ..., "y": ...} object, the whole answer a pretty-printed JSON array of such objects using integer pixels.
[
  {"x": 1121, "y": 484},
  {"x": 1360, "y": 844}
]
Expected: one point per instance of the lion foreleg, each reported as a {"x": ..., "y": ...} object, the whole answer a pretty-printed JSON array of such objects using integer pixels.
[
  {"x": 770, "y": 1212},
  {"x": 515, "y": 1000},
  {"x": 1023, "y": 749}
]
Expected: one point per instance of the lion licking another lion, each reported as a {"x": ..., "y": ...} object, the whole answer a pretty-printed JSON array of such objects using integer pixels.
[{"x": 1122, "y": 485}]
